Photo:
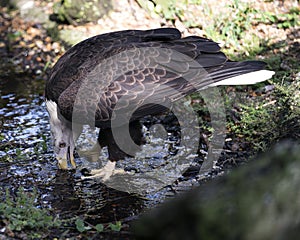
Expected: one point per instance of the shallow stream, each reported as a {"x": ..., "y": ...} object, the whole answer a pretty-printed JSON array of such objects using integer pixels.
[{"x": 27, "y": 161}]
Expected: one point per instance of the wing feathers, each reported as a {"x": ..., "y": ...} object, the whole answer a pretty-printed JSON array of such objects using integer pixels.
[{"x": 127, "y": 61}]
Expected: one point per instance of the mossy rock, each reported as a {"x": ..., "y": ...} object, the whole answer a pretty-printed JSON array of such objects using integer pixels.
[
  {"x": 260, "y": 200},
  {"x": 81, "y": 11}
]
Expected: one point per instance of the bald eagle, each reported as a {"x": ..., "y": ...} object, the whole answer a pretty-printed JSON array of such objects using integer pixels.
[{"x": 114, "y": 65}]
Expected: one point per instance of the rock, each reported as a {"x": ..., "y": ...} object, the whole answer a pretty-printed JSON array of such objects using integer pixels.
[
  {"x": 72, "y": 36},
  {"x": 22, "y": 5},
  {"x": 81, "y": 11},
  {"x": 260, "y": 200}
]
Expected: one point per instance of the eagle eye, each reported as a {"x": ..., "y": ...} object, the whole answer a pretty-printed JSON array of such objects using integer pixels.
[{"x": 62, "y": 145}]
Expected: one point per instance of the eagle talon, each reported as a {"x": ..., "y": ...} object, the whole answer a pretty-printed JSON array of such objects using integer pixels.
[{"x": 104, "y": 173}]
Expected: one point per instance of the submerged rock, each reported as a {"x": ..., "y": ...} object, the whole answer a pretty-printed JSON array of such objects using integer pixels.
[{"x": 258, "y": 201}]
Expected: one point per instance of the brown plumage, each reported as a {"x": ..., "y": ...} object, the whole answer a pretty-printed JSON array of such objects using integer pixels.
[{"x": 113, "y": 65}]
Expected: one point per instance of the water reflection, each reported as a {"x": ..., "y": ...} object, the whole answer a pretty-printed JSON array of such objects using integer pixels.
[
  {"x": 26, "y": 160},
  {"x": 22, "y": 116}
]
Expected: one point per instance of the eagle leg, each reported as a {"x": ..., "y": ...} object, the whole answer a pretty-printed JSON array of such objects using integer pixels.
[{"x": 106, "y": 139}]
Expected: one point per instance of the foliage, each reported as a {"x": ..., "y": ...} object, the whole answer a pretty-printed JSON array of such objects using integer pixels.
[
  {"x": 166, "y": 9},
  {"x": 80, "y": 226},
  {"x": 232, "y": 26},
  {"x": 21, "y": 213},
  {"x": 287, "y": 20},
  {"x": 83, "y": 226},
  {"x": 258, "y": 120},
  {"x": 264, "y": 120},
  {"x": 115, "y": 227}
]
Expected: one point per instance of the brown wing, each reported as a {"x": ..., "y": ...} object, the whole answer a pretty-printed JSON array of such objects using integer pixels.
[
  {"x": 84, "y": 56},
  {"x": 127, "y": 69}
]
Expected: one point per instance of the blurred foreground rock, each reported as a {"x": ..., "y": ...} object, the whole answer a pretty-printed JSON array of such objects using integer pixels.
[{"x": 258, "y": 201}]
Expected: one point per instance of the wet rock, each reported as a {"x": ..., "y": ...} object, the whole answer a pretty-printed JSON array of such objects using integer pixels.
[{"x": 260, "y": 200}]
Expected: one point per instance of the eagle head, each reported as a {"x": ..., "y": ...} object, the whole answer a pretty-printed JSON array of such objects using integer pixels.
[{"x": 62, "y": 134}]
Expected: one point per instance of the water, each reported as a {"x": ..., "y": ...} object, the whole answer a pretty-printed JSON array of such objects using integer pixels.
[
  {"x": 27, "y": 160},
  {"x": 24, "y": 123}
]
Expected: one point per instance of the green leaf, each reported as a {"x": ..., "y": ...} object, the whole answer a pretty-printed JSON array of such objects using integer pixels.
[
  {"x": 80, "y": 225},
  {"x": 99, "y": 227},
  {"x": 116, "y": 227}
]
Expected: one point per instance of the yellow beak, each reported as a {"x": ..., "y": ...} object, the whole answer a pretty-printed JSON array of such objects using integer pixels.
[{"x": 63, "y": 161}]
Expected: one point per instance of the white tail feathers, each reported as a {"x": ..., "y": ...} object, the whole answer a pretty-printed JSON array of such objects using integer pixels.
[{"x": 246, "y": 79}]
